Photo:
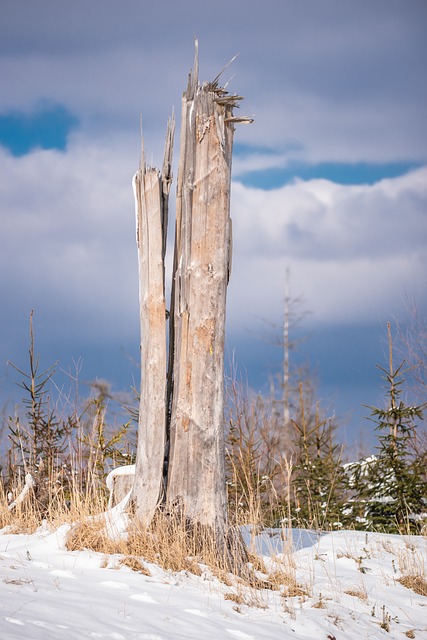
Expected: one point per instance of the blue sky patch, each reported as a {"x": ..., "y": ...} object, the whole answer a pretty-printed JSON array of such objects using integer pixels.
[
  {"x": 46, "y": 128},
  {"x": 341, "y": 173}
]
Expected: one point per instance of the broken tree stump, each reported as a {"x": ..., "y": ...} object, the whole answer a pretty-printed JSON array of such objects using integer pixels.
[
  {"x": 151, "y": 190},
  {"x": 181, "y": 418}
]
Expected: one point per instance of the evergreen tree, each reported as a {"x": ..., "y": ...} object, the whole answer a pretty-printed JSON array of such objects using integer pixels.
[
  {"x": 394, "y": 490},
  {"x": 319, "y": 483},
  {"x": 43, "y": 440}
]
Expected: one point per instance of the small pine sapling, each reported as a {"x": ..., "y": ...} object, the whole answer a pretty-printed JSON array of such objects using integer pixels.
[
  {"x": 319, "y": 483},
  {"x": 395, "y": 491}
]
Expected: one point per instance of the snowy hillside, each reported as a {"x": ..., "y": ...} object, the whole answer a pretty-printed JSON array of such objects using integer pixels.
[{"x": 348, "y": 588}]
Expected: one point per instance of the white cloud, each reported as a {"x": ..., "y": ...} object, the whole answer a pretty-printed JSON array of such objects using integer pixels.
[
  {"x": 68, "y": 247},
  {"x": 354, "y": 251},
  {"x": 258, "y": 162}
]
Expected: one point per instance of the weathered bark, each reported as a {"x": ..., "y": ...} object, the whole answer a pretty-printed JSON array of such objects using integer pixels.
[
  {"x": 181, "y": 418},
  {"x": 196, "y": 477},
  {"x": 151, "y": 191}
]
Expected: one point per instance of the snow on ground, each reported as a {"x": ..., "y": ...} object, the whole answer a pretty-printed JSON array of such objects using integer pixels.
[{"x": 350, "y": 578}]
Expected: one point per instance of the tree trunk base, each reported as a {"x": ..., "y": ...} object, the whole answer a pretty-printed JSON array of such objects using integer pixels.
[{"x": 175, "y": 539}]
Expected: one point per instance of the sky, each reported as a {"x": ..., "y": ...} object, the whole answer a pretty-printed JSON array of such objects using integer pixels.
[{"x": 329, "y": 182}]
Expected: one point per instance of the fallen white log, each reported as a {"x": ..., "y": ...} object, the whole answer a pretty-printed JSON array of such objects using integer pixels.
[
  {"x": 120, "y": 485},
  {"x": 119, "y": 482},
  {"x": 116, "y": 518},
  {"x": 29, "y": 484}
]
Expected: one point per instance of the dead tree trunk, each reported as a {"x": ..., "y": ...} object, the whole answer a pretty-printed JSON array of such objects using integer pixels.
[
  {"x": 151, "y": 191},
  {"x": 196, "y": 477},
  {"x": 181, "y": 412}
]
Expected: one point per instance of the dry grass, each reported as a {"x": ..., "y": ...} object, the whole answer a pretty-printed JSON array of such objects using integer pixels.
[
  {"x": 23, "y": 519},
  {"x": 249, "y": 596},
  {"x": 415, "y": 583},
  {"x": 168, "y": 543},
  {"x": 287, "y": 584},
  {"x": 17, "y": 581},
  {"x": 135, "y": 564},
  {"x": 320, "y": 604},
  {"x": 357, "y": 592},
  {"x": 54, "y": 507},
  {"x": 410, "y": 564},
  {"x": 91, "y": 535},
  {"x": 257, "y": 562},
  {"x": 238, "y": 598},
  {"x": 172, "y": 545}
]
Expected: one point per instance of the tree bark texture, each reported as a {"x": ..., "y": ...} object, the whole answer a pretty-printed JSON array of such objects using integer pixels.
[
  {"x": 196, "y": 477},
  {"x": 181, "y": 422},
  {"x": 151, "y": 190}
]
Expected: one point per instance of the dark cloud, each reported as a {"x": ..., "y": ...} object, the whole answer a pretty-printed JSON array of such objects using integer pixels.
[{"x": 341, "y": 80}]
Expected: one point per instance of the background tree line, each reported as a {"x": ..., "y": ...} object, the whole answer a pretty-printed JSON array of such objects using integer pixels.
[{"x": 288, "y": 474}]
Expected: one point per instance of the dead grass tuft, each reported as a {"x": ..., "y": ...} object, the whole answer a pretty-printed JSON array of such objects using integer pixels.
[
  {"x": 22, "y": 519},
  {"x": 321, "y": 602},
  {"x": 257, "y": 563},
  {"x": 224, "y": 576},
  {"x": 17, "y": 581},
  {"x": 135, "y": 564},
  {"x": 295, "y": 590},
  {"x": 415, "y": 583},
  {"x": 234, "y": 597},
  {"x": 357, "y": 592},
  {"x": 281, "y": 580},
  {"x": 90, "y": 534},
  {"x": 171, "y": 544},
  {"x": 247, "y": 596}
]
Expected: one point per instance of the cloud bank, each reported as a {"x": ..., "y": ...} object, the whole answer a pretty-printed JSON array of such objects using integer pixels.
[
  {"x": 68, "y": 244},
  {"x": 328, "y": 83}
]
